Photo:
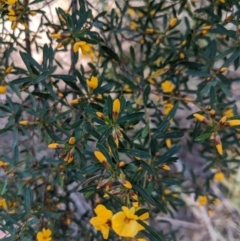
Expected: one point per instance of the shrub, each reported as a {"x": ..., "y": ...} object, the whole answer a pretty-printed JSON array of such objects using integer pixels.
[{"x": 120, "y": 90}]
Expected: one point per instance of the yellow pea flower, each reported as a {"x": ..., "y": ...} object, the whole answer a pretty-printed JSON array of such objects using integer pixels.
[
  {"x": 219, "y": 176},
  {"x": 3, "y": 89},
  {"x": 167, "y": 86},
  {"x": 3, "y": 203},
  {"x": 167, "y": 108},
  {"x": 229, "y": 113},
  {"x": 84, "y": 46},
  {"x": 125, "y": 223},
  {"x": 11, "y": 2},
  {"x": 44, "y": 235},
  {"x": 92, "y": 83},
  {"x": 102, "y": 221},
  {"x": 202, "y": 199}
]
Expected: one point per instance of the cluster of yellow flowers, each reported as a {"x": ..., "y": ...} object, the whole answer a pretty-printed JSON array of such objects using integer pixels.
[
  {"x": 68, "y": 149},
  {"x": 124, "y": 223},
  {"x": 16, "y": 12},
  {"x": 217, "y": 126},
  {"x": 3, "y": 85},
  {"x": 67, "y": 38},
  {"x": 203, "y": 200},
  {"x": 92, "y": 84}
]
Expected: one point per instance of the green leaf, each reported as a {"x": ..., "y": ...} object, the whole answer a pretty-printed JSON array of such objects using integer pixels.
[
  {"x": 143, "y": 192},
  {"x": 172, "y": 112},
  {"x": 203, "y": 137},
  {"x": 93, "y": 168},
  {"x": 174, "y": 134},
  {"x": 147, "y": 167},
  {"x": 110, "y": 53},
  {"x": 127, "y": 81},
  {"x": 41, "y": 77},
  {"x": 27, "y": 199},
  {"x": 106, "y": 88},
  {"x": 145, "y": 131},
  {"x": 225, "y": 53},
  {"x": 82, "y": 20},
  {"x": 135, "y": 153},
  {"x": 131, "y": 118},
  {"x": 161, "y": 129},
  {"x": 146, "y": 93},
  {"x": 27, "y": 59},
  {"x": 225, "y": 90},
  {"x": 64, "y": 77},
  {"x": 22, "y": 80},
  {"x": 109, "y": 106},
  {"x": 231, "y": 59},
  {"x": 155, "y": 235},
  {"x": 167, "y": 155},
  {"x": 105, "y": 135},
  {"x": 137, "y": 176},
  {"x": 212, "y": 97}
]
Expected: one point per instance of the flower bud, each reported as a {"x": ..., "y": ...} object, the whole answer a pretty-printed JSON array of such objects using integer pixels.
[
  {"x": 222, "y": 122},
  {"x": 207, "y": 27},
  {"x": 75, "y": 101},
  {"x": 116, "y": 108},
  {"x": 201, "y": 118},
  {"x": 202, "y": 199},
  {"x": 212, "y": 113},
  {"x": 72, "y": 141},
  {"x": 184, "y": 42},
  {"x": 150, "y": 30},
  {"x": 165, "y": 167},
  {"x": 8, "y": 70},
  {"x": 56, "y": 146},
  {"x": 219, "y": 176},
  {"x": 232, "y": 123},
  {"x": 101, "y": 158},
  {"x": 24, "y": 122},
  {"x": 92, "y": 83},
  {"x": 172, "y": 22},
  {"x": 222, "y": 70},
  {"x": 218, "y": 144}
]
